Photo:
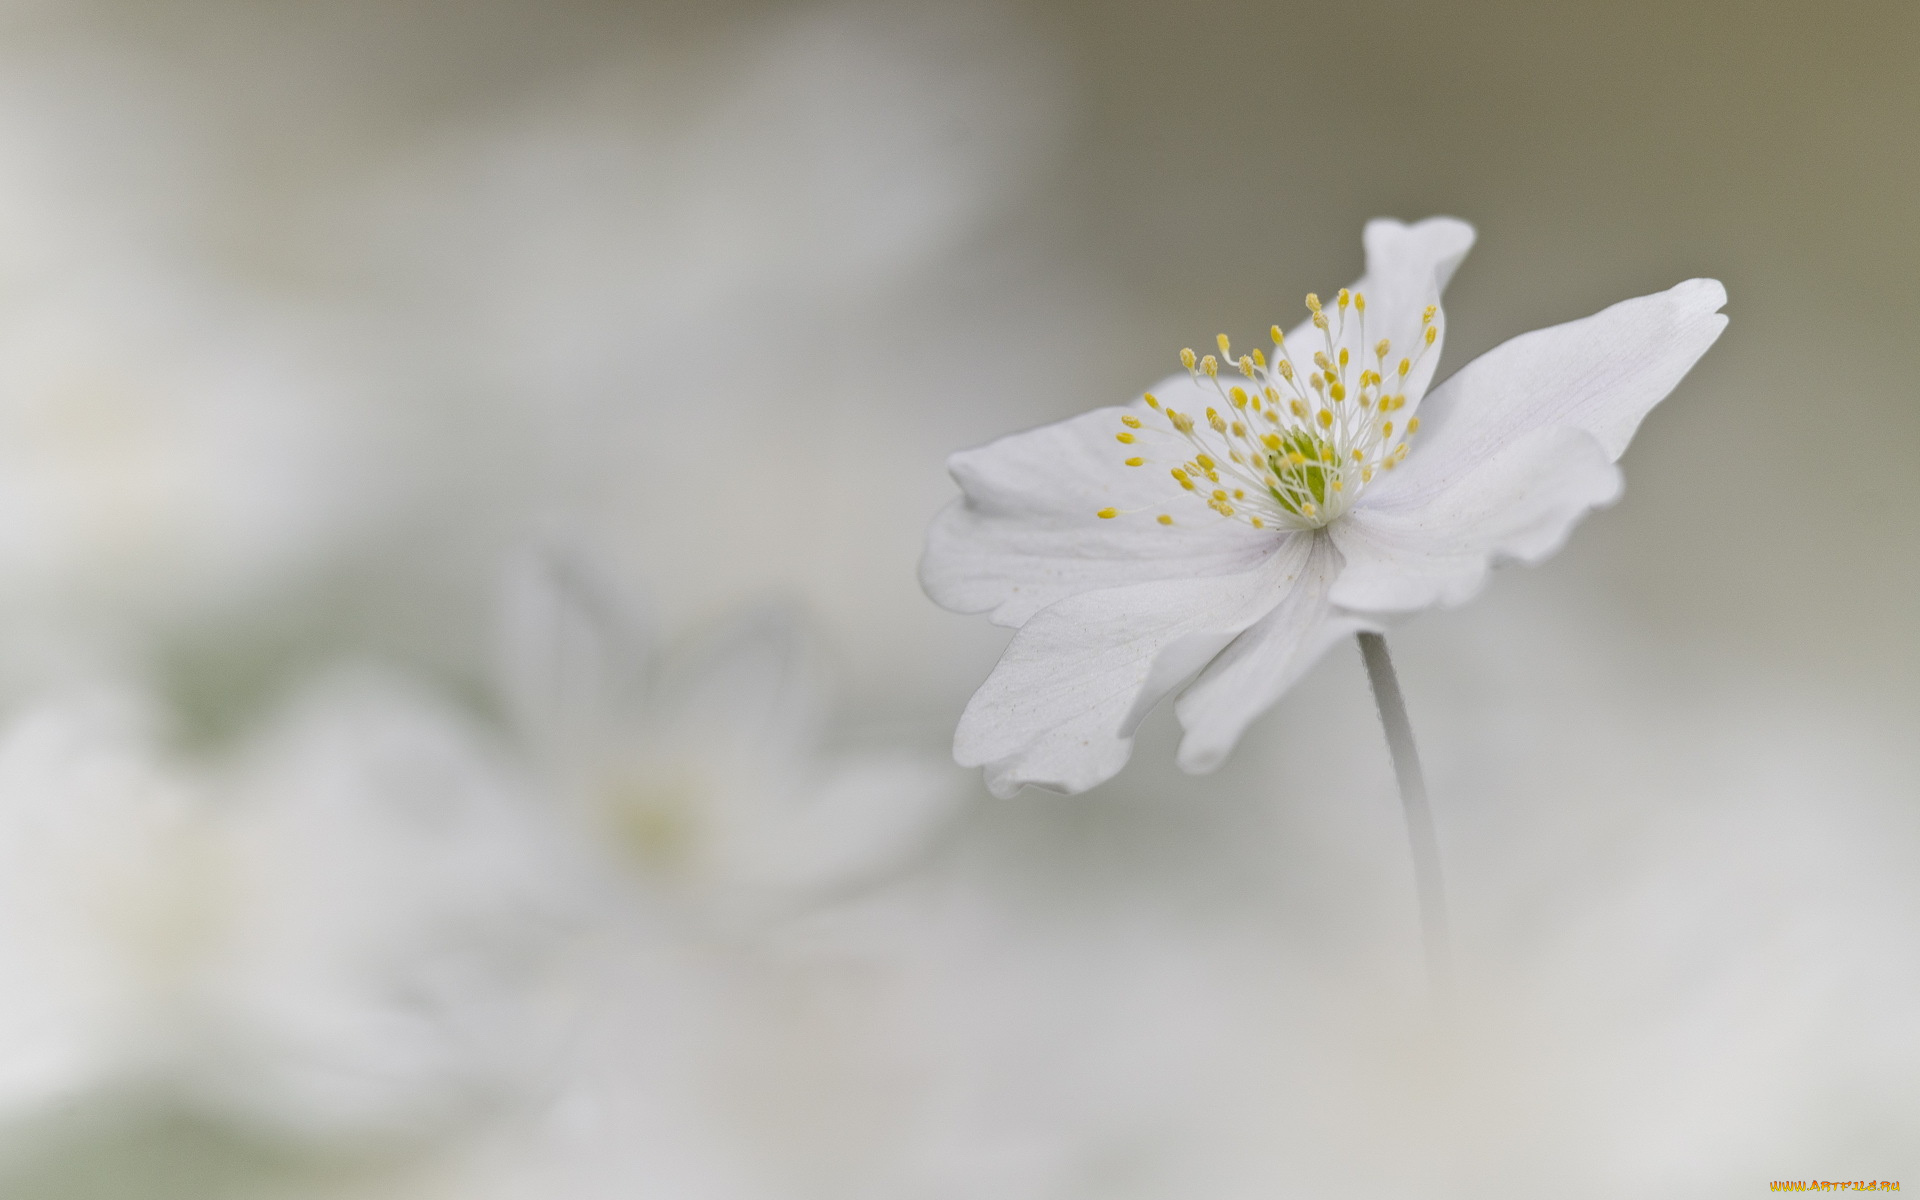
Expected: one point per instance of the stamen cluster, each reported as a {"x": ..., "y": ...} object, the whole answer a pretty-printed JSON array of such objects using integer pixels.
[{"x": 1291, "y": 446}]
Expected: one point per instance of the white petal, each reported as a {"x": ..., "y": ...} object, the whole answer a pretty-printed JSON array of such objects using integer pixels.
[
  {"x": 1602, "y": 373},
  {"x": 870, "y": 813},
  {"x": 1025, "y": 533},
  {"x": 1519, "y": 505},
  {"x": 566, "y": 647},
  {"x": 1262, "y": 663},
  {"x": 1408, "y": 266},
  {"x": 1059, "y": 708}
]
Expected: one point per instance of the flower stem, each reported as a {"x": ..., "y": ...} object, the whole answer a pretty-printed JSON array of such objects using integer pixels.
[{"x": 1413, "y": 795}]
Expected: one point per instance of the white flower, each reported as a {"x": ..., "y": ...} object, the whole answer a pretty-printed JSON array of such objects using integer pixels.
[
  {"x": 1251, "y": 513},
  {"x": 342, "y": 936},
  {"x": 705, "y": 768},
  {"x": 98, "y": 854},
  {"x": 395, "y": 910}
]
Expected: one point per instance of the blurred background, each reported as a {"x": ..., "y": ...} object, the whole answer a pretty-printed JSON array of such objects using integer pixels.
[{"x": 471, "y": 728}]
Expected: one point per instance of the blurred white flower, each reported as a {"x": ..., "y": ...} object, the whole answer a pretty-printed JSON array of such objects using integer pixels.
[
  {"x": 741, "y": 1038},
  {"x": 103, "y": 905},
  {"x": 396, "y": 915},
  {"x": 1232, "y": 549},
  {"x": 705, "y": 768},
  {"x": 346, "y": 935},
  {"x": 172, "y": 439}
]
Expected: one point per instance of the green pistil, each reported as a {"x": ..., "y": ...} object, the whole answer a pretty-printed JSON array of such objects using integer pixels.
[{"x": 1309, "y": 477}]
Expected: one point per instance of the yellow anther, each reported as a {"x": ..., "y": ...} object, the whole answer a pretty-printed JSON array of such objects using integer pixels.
[
  {"x": 1186, "y": 359},
  {"x": 1406, "y": 364},
  {"x": 1346, "y": 297},
  {"x": 1164, "y": 519},
  {"x": 1129, "y": 420},
  {"x": 1271, "y": 393},
  {"x": 1313, "y": 302},
  {"x": 1338, "y": 391},
  {"x": 1326, "y": 453},
  {"x": 1360, "y": 301},
  {"x": 1238, "y": 494},
  {"x": 1433, "y": 331},
  {"x": 1218, "y": 494},
  {"x": 1380, "y": 349},
  {"x": 1413, "y": 426},
  {"x": 1136, "y": 461},
  {"x": 1298, "y": 409},
  {"x": 1386, "y": 431},
  {"x": 1278, "y": 337},
  {"x": 1107, "y": 514},
  {"x": 1271, "y": 441},
  {"x": 1180, "y": 474},
  {"x": 1213, "y": 415},
  {"x": 1321, "y": 360},
  {"x": 1359, "y": 457},
  {"x": 1181, "y": 421},
  {"x": 1427, "y": 316},
  {"x": 1238, "y": 429},
  {"x": 1213, "y": 419},
  {"x": 1153, "y": 402},
  {"x": 1123, "y": 438},
  {"x": 1296, "y": 459},
  {"x": 1366, "y": 474},
  {"x": 1238, "y": 395},
  {"x": 1319, "y": 320},
  {"x": 1257, "y": 522},
  {"x": 1259, "y": 359},
  {"x": 1325, "y": 417},
  {"x": 1285, "y": 368},
  {"x": 1307, "y": 509},
  {"x": 1220, "y": 340},
  {"x": 1210, "y": 366},
  {"x": 1206, "y": 464},
  {"x": 1343, "y": 356}
]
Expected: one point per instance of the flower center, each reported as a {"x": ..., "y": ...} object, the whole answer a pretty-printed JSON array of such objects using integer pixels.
[{"x": 1294, "y": 444}]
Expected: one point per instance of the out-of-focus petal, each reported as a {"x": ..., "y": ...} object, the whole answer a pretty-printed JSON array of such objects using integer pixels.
[
  {"x": 869, "y": 815},
  {"x": 398, "y": 907},
  {"x": 1059, "y": 709},
  {"x": 566, "y": 649},
  {"x": 1025, "y": 533},
  {"x": 1412, "y": 550},
  {"x": 1262, "y": 663},
  {"x": 98, "y": 835}
]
